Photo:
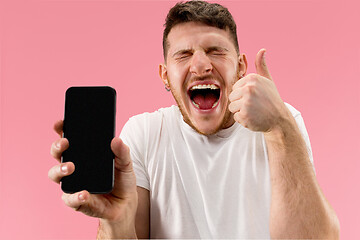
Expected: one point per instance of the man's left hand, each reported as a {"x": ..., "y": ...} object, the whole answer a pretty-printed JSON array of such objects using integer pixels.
[{"x": 255, "y": 101}]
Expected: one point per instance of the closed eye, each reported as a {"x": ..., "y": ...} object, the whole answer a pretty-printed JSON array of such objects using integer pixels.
[
  {"x": 182, "y": 54},
  {"x": 217, "y": 51}
]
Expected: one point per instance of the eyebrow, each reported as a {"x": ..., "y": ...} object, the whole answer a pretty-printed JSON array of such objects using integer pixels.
[
  {"x": 216, "y": 48},
  {"x": 213, "y": 48}
]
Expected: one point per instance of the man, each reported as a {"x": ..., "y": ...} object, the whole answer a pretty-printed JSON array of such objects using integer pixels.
[{"x": 232, "y": 160}]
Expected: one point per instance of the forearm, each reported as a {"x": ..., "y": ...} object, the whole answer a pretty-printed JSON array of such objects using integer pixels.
[
  {"x": 298, "y": 207},
  {"x": 116, "y": 230}
]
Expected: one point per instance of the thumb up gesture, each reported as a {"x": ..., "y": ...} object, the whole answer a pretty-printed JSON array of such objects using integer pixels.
[{"x": 255, "y": 101}]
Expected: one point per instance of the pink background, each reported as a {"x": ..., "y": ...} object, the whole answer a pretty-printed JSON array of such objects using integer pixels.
[{"x": 47, "y": 46}]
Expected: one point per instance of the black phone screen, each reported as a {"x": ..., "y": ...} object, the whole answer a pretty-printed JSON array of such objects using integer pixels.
[{"x": 89, "y": 125}]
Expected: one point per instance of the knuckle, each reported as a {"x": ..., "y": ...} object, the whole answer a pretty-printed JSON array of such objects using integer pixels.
[
  {"x": 231, "y": 96},
  {"x": 55, "y": 149},
  {"x": 231, "y": 105},
  {"x": 58, "y": 147},
  {"x": 234, "y": 106},
  {"x": 68, "y": 199},
  {"x": 52, "y": 149},
  {"x": 248, "y": 89},
  {"x": 238, "y": 117},
  {"x": 252, "y": 76},
  {"x": 53, "y": 173},
  {"x": 255, "y": 83},
  {"x": 238, "y": 83}
]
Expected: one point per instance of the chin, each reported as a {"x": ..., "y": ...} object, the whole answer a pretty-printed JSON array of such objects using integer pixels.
[
  {"x": 212, "y": 127},
  {"x": 206, "y": 132},
  {"x": 205, "y": 127}
]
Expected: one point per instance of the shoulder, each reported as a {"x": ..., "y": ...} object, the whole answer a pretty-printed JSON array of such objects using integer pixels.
[
  {"x": 294, "y": 112},
  {"x": 153, "y": 119},
  {"x": 298, "y": 118},
  {"x": 143, "y": 132},
  {"x": 148, "y": 125}
]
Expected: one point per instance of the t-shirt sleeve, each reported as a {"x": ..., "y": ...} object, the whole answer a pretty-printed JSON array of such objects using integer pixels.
[
  {"x": 301, "y": 124},
  {"x": 133, "y": 135}
]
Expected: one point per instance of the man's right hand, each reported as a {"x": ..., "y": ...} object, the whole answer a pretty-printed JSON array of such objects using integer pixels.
[{"x": 116, "y": 208}]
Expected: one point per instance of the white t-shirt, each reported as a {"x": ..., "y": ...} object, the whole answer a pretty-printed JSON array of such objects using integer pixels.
[{"x": 200, "y": 186}]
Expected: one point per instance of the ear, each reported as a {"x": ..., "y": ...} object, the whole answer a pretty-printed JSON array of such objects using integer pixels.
[
  {"x": 163, "y": 74},
  {"x": 242, "y": 65}
]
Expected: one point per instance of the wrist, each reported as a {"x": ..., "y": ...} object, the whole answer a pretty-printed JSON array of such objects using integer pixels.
[
  {"x": 284, "y": 129},
  {"x": 120, "y": 225},
  {"x": 109, "y": 229}
]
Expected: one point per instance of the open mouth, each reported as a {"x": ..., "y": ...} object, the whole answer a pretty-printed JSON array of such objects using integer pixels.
[{"x": 204, "y": 96}]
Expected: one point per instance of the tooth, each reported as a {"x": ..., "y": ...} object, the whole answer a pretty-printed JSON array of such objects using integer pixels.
[
  {"x": 215, "y": 103},
  {"x": 203, "y": 86},
  {"x": 195, "y": 104}
]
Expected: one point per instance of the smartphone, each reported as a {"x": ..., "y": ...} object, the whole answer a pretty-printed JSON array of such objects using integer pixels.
[{"x": 89, "y": 125}]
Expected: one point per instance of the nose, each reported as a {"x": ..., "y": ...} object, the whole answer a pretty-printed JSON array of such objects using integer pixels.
[{"x": 200, "y": 64}]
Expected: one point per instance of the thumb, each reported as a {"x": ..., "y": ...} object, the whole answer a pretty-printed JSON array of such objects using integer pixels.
[
  {"x": 260, "y": 64},
  {"x": 125, "y": 180},
  {"x": 123, "y": 161}
]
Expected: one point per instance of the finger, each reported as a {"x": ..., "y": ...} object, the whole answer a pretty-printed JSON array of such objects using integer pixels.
[
  {"x": 239, "y": 83},
  {"x": 239, "y": 117},
  {"x": 58, "y": 127},
  {"x": 58, "y": 147},
  {"x": 76, "y": 200},
  {"x": 235, "y": 106},
  {"x": 260, "y": 64},
  {"x": 56, "y": 173},
  {"x": 236, "y": 94},
  {"x": 122, "y": 155}
]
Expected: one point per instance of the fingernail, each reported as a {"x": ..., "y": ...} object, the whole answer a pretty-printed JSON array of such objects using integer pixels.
[
  {"x": 64, "y": 168},
  {"x": 81, "y": 197}
]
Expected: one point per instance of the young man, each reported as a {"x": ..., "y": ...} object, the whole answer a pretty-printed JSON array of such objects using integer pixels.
[{"x": 231, "y": 160}]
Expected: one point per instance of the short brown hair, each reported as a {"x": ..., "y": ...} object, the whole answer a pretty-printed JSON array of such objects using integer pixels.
[{"x": 211, "y": 14}]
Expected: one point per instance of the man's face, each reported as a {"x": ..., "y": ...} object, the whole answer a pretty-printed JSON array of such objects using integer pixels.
[{"x": 202, "y": 66}]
